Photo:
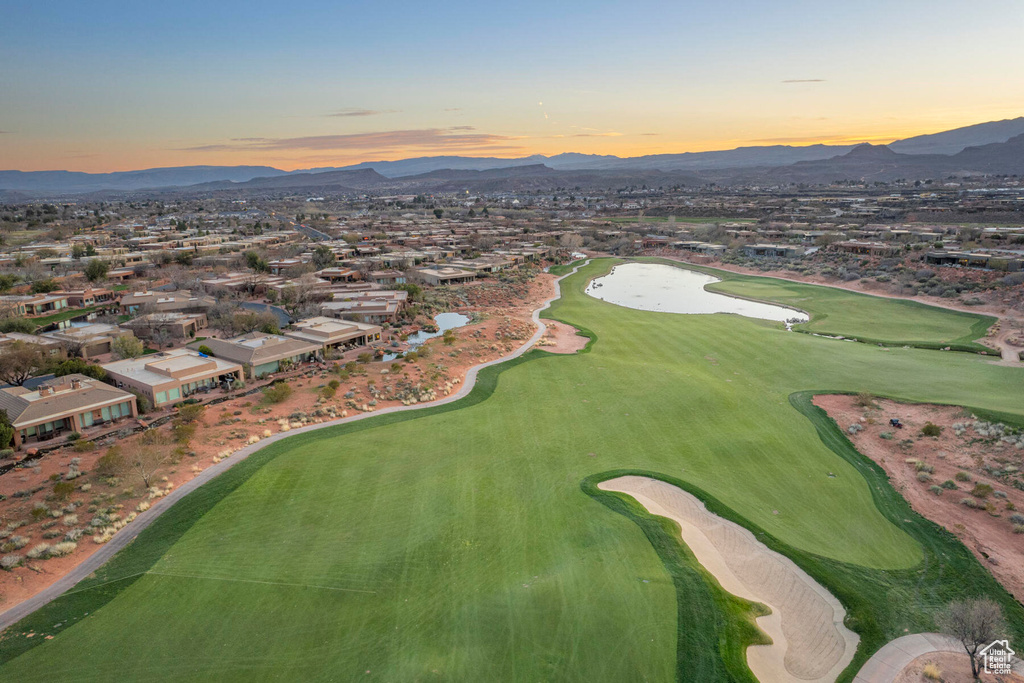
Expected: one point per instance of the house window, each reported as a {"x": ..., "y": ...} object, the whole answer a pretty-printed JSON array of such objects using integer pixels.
[
  {"x": 87, "y": 419},
  {"x": 161, "y": 397},
  {"x": 174, "y": 394}
]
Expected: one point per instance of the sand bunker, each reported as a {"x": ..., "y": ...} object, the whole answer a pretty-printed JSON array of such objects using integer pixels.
[{"x": 810, "y": 642}]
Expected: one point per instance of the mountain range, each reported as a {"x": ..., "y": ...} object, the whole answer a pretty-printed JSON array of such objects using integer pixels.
[{"x": 989, "y": 148}]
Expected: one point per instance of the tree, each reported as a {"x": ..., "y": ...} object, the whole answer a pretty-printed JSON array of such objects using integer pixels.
[
  {"x": 20, "y": 361},
  {"x": 44, "y": 286},
  {"x": 975, "y": 623},
  {"x": 127, "y": 346},
  {"x": 96, "y": 270},
  {"x": 77, "y": 251},
  {"x": 6, "y": 430},
  {"x": 77, "y": 366},
  {"x": 323, "y": 257},
  {"x": 438, "y": 213},
  {"x": 256, "y": 262},
  {"x": 23, "y": 325},
  {"x": 7, "y": 280},
  {"x": 146, "y": 460}
]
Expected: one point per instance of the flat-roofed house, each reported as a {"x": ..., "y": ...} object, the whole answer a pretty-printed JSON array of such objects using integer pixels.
[
  {"x": 90, "y": 296},
  {"x": 332, "y": 333},
  {"x": 174, "y": 325},
  {"x": 168, "y": 377},
  {"x": 33, "y": 304},
  {"x": 443, "y": 275},
  {"x": 89, "y": 340},
  {"x": 73, "y": 403},
  {"x": 261, "y": 354},
  {"x": 182, "y": 301}
]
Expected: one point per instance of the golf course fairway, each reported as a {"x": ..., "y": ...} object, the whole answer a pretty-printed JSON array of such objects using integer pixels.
[{"x": 470, "y": 542}]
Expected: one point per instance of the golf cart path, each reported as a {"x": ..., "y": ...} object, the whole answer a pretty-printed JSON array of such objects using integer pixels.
[
  {"x": 886, "y": 664},
  {"x": 1008, "y": 353},
  {"x": 122, "y": 538}
]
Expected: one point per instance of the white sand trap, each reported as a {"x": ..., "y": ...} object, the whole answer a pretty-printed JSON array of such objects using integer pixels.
[{"x": 810, "y": 642}]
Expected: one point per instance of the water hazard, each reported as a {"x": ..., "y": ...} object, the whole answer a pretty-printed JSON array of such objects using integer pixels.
[
  {"x": 656, "y": 287},
  {"x": 444, "y": 321}
]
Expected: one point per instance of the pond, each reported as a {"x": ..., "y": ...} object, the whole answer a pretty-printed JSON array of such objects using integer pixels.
[
  {"x": 444, "y": 322},
  {"x": 656, "y": 287}
]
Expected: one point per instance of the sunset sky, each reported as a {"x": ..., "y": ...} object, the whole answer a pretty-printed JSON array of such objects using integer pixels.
[{"x": 105, "y": 86}]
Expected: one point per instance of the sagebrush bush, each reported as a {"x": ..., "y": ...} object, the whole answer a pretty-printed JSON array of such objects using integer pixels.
[
  {"x": 854, "y": 428},
  {"x": 962, "y": 476},
  {"x": 1018, "y": 528},
  {"x": 70, "y": 520},
  {"x": 1017, "y": 518},
  {"x": 972, "y": 503},
  {"x": 924, "y": 467},
  {"x": 932, "y": 672},
  {"x": 74, "y": 534},
  {"x": 937, "y": 490},
  {"x": 981, "y": 490},
  {"x": 38, "y": 552},
  {"x": 930, "y": 429},
  {"x": 62, "y": 549},
  {"x": 9, "y": 562},
  {"x": 949, "y": 484},
  {"x": 924, "y": 477}
]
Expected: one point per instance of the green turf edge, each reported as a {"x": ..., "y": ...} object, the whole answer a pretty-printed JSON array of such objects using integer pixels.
[
  {"x": 881, "y": 605},
  {"x": 152, "y": 543},
  {"x": 717, "y": 650},
  {"x": 965, "y": 344}
]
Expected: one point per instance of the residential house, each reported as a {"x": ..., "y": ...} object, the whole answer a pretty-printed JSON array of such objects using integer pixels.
[
  {"x": 73, "y": 403},
  {"x": 331, "y": 333},
  {"x": 170, "y": 376},
  {"x": 261, "y": 354}
]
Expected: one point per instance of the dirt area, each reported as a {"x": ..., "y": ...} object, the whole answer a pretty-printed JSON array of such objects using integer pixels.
[
  {"x": 950, "y": 667},
  {"x": 32, "y": 512},
  {"x": 967, "y": 479},
  {"x": 561, "y": 338},
  {"x": 809, "y": 640}
]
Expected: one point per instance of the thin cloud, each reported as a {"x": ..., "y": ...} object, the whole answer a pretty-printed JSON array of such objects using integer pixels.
[
  {"x": 454, "y": 109},
  {"x": 345, "y": 113},
  {"x": 460, "y": 137},
  {"x": 650, "y": 133},
  {"x": 804, "y": 80},
  {"x": 5, "y": 132}
]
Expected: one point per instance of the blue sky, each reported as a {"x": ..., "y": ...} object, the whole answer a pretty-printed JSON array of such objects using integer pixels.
[{"x": 117, "y": 85}]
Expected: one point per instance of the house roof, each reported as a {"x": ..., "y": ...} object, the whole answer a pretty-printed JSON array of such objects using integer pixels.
[
  {"x": 257, "y": 348},
  {"x": 26, "y": 406}
]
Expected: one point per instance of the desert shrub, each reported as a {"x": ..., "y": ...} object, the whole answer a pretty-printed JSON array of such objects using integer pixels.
[
  {"x": 183, "y": 432},
  {"x": 949, "y": 484},
  {"x": 39, "y": 511},
  {"x": 981, "y": 490},
  {"x": 6, "y": 453},
  {"x": 854, "y": 428},
  {"x": 328, "y": 391},
  {"x": 396, "y": 367},
  {"x": 364, "y": 357},
  {"x": 972, "y": 503},
  {"x": 449, "y": 337},
  {"x": 937, "y": 490},
  {"x": 334, "y": 384},
  {"x": 411, "y": 357},
  {"x": 111, "y": 463},
  {"x": 885, "y": 435},
  {"x": 190, "y": 413},
  {"x": 924, "y": 477},
  {"x": 924, "y": 467},
  {"x": 932, "y": 672},
  {"x": 63, "y": 548},
  {"x": 74, "y": 534},
  {"x": 203, "y": 348},
  {"x": 1018, "y": 528},
  {"x": 9, "y": 562},
  {"x": 1017, "y": 518},
  {"x": 40, "y": 551},
  {"x": 962, "y": 476},
  {"x": 277, "y": 392},
  {"x": 865, "y": 400},
  {"x": 16, "y": 543},
  {"x": 74, "y": 436},
  {"x": 62, "y": 490},
  {"x": 930, "y": 429},
  {"x": 70, "y": 520},
  {"x": 83, "y": 446}
]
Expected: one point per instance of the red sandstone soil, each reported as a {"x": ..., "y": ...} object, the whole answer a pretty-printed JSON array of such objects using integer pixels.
[
  {"x": 953, "y": 668},
  {"x": 988, "y": 533}
]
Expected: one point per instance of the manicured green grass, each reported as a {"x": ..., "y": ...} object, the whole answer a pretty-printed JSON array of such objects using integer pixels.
[
  {"x": 457, "y": 543},
  {"x": 45, "y": 320},
  {"x": 861, "y": 316}
]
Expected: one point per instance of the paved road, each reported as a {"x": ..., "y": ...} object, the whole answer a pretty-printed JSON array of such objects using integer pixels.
[{"x": 128, "y": 533}]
